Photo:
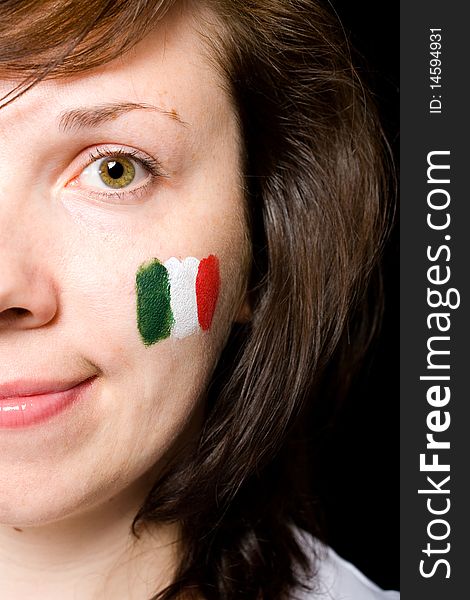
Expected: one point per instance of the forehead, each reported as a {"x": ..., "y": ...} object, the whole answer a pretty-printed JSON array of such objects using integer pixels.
[{"x": 170, "y": 68}]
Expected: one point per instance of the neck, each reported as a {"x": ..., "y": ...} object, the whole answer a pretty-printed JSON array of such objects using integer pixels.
[{"x": 92, "y": 556}]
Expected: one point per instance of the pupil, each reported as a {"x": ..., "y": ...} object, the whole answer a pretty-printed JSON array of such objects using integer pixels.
[{"x": 115, "y": 169}]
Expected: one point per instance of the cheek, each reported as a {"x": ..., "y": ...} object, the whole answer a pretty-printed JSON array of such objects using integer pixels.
[
  {"x": 177, "y": 298},
  {"x": 128, "y": 305}
]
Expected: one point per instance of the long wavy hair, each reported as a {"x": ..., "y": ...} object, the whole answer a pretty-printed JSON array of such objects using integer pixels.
[{"x": 316, "y": 181}]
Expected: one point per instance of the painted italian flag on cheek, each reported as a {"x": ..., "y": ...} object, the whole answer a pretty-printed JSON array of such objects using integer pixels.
[{"x": 176, "y": 298}]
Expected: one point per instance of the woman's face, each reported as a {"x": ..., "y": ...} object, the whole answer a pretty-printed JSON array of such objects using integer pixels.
[{"x": 76, "y": 228}]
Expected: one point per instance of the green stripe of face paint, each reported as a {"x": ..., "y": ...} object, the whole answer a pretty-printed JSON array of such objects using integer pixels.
[{"x": 154, "y": 316}]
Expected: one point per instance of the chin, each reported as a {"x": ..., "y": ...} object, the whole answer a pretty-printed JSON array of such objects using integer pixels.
[{"x": 33, "y": 501}]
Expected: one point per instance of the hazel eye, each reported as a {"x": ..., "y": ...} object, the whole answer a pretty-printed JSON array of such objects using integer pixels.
[{"x": 114, "y": 172}]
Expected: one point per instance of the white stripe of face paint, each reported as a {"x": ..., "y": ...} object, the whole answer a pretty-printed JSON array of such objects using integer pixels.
[{"x": 182, "y": 276}]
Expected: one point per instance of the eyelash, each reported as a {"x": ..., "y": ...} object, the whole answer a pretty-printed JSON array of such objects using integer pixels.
[{"x": 151, "y": 165}]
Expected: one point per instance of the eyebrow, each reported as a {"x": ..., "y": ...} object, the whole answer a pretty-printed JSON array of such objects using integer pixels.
[{"x": 93, "y": 116}]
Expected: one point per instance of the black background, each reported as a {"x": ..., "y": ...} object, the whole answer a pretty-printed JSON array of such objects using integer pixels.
[
  {"x": 422, "y": 133},
  {"x": 359, "y": 478}
]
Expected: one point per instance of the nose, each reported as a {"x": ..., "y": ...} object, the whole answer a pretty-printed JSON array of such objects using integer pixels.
[{"x": 27, "y": 296}]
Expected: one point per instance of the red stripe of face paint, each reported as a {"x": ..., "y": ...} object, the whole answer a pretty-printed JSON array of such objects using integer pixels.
[{"x": 207, "y": 290}]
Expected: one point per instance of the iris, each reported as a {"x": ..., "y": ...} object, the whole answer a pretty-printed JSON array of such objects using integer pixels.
[{"x": 117, "y": 172}]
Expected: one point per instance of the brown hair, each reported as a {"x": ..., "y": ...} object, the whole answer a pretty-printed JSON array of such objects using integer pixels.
[{"x": 316, "y": 189}]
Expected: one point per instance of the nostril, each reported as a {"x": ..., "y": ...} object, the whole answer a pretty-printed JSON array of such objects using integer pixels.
[
  {"x": 19, "y": 312},
  {"x": 26, "y": 302},
  {"x": 13, "y": 314}
]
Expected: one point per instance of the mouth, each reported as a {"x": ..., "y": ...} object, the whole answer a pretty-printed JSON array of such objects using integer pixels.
[{"x": 27, "y": 403}]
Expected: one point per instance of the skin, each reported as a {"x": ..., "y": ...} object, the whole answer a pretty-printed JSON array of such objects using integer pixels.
[{"x": 69, "y": 260}]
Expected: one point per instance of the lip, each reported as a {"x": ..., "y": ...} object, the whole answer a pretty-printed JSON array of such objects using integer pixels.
[{"x": 23, "y": 404}]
